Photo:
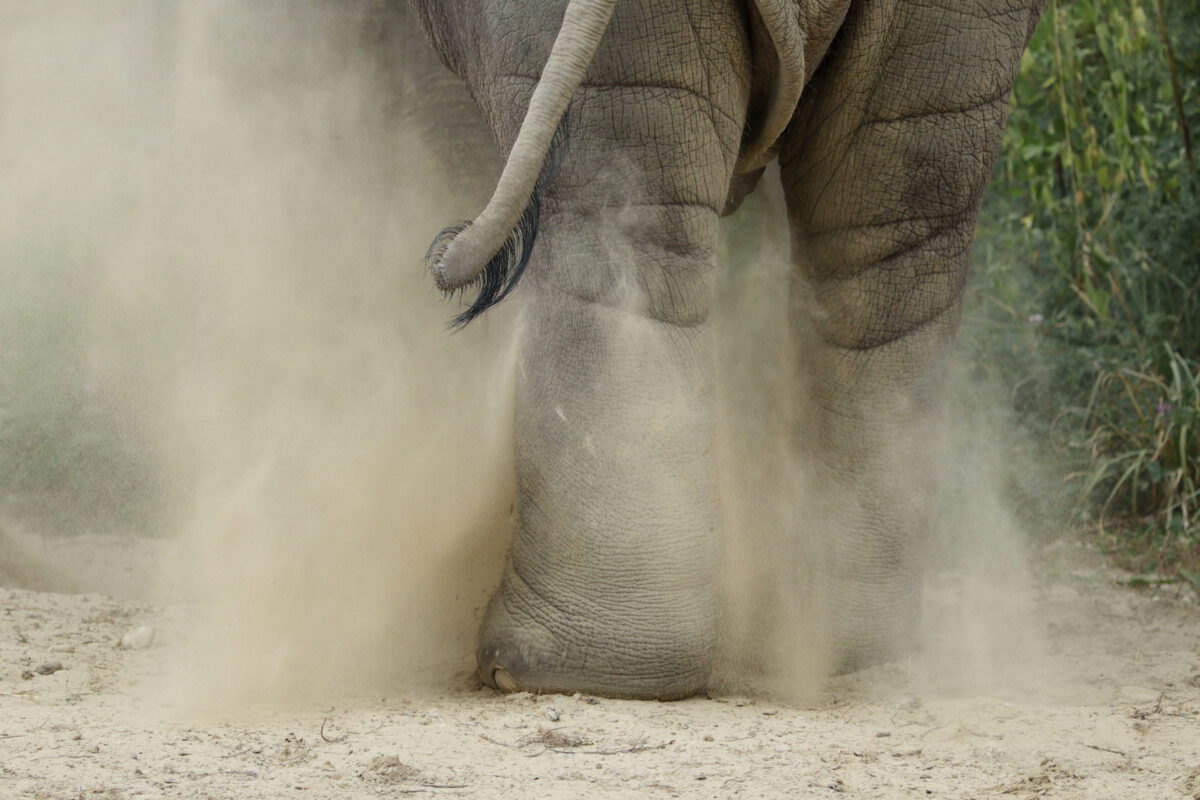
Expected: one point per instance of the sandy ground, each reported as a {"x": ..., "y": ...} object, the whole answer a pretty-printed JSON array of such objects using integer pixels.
[{"x": 1115, "y": 713}]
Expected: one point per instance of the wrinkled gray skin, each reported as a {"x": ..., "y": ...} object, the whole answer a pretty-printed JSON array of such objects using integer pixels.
[{"x": 610, "y": 588}]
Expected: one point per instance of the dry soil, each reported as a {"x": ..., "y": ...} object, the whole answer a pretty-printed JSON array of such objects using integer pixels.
[{"x": 1111, "y": 711}]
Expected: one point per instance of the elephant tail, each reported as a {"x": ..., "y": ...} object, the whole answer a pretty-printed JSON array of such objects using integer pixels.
[{"x": 492, "y": 250}]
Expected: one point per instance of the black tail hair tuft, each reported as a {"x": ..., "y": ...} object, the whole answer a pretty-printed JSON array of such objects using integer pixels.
[{"x": 506, "y": 267}]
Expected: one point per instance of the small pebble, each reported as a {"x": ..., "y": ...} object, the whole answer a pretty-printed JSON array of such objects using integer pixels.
[
  {"x": 49, "y": 668},
  {"x": 139, "y": 638},
  {"x": 552, "y": 714}
]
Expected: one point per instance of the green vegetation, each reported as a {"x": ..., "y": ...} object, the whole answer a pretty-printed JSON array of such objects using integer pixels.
[{"x": 1086, "y": 296}]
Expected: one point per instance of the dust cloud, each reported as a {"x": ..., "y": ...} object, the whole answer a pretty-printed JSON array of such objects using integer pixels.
[
  {"x": 978, "y": 628},
  {"x": 352, "y": 484},
  {"x": 218, "y": 211},
  {"x": 218, "y": 332},
  {"x": 772, "y": 631}
]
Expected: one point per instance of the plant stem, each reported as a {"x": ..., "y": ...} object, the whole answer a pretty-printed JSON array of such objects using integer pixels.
[{"x": 1176, "y": 89}]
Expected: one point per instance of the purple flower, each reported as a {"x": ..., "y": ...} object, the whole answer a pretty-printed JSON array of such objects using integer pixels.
[{"x": 1163, "y": 407}]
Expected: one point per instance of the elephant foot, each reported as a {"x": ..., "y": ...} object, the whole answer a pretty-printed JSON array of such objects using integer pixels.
[{"x": 521, "y": 650}]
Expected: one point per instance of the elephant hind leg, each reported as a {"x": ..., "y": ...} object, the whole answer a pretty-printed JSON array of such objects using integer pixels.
[
  {"x": 611, "y": 583},
  {"x": 883, "y": 168}
]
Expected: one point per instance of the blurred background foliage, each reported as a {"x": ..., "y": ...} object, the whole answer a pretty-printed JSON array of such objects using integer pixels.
[{"x": 1085, "y": 301}]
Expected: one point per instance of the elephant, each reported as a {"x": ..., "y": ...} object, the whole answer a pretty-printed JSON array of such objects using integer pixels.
[{"x": 627, "y": 130}]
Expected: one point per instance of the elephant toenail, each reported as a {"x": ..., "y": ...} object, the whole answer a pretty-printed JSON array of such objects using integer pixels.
[{"x": 502, "y": 680}]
